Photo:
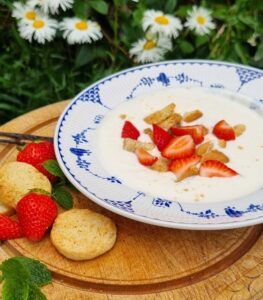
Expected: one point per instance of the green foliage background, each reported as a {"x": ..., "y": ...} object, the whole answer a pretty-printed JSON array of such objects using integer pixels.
[{"x": 33, "y": 75}]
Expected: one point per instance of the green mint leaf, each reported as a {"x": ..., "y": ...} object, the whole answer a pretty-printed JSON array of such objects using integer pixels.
[
  {"x": 13, "y": 270},
  {"x": 38, "y": 272},
  {"x": 63, "y": 197},
  {"x": 15, "y": 290},
  {"x": 35, "y": 293},
  {"x": 32, "y": 271},
  {"x": 52, "y": 167}
]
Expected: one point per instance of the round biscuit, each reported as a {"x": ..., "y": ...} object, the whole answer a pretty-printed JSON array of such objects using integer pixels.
[
  {"x": 81, "y": 234},
  {"x": 17, "y": 179},
  {"x": 6, "y": 210}
]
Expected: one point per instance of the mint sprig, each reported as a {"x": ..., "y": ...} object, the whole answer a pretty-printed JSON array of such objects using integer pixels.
[
  {"x": 15, "y": 290},
  {"x": 35, "y": 293},
  {"x": 22, "y": 278},
  {"x": 53, "y": 168},
  {"x": 62, "y": 197},
  {"x": 59, "y": 193}
]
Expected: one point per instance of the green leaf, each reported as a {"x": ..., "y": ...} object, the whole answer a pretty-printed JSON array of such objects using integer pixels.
[
  {"x": 240, "y": 51},
  {"x": 183, "y": 10},
  {"x": 248, "y": 20},
  {"x": 52, "y": 167},
  {"x": 186, "y": 47},
  {"x": 170, "y": 6},
  {"x": 83, "y": 56},
  {"x": 13, "y": 270},
  {"x": 259, "y": 53},
  {"x": 88, "y": 53},
  {"x": 100, "y": 6},
  {"x": 80, "y": 8},
  {"x": 35, "y": 293},
  {"x": 38, "y": 272},
  {"x": 63, "y": 197},
  {"x": 15, "y": 290},
  {"x": 200, "y": 40}
]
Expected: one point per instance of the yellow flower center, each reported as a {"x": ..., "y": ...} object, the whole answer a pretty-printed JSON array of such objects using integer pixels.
[
  {"x": 82, "y": 25},
  {"x": 149, "y": 45},
  {"x": 162, "y": 20},
  {"x": 201, "y": 20},
  {"x": 31, "y": 15},
  {"x": 38, "y": 24}
]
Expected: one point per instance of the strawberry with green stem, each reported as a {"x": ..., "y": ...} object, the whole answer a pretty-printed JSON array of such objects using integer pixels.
[{"x": 36, "y": 154}]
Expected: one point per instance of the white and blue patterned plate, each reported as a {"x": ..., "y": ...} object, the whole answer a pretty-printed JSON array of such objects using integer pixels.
[{"x": 74, "y": 143}]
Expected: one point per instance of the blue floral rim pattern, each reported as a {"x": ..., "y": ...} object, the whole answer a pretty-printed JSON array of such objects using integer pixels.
[{"x": 75, "y": 150}]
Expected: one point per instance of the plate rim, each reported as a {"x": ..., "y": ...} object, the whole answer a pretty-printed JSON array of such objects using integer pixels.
[{"x": 144, "y": 219}]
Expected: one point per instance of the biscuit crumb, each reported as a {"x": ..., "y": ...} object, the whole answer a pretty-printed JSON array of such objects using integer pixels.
[
  {"x": 174, "y": 119},
  {"x": 161, "y": 165},
  {"x": 192, "y": 116},
  {"x": 192, "y": 171},
  {"x": 215, "y": 155},
  {"x": 222, "y": 143},
  {"x": 186, "y": 190},
  {"x": 123, "y": 116},
  {"x": 160, "y": 115},
  {"x": 240, "y": 147},
  {"x": 131, "y": 145},
  {"x": 204, "y": 148},
  {"x": 239, "y": 129},
  {"x": 149, "y": 132}
]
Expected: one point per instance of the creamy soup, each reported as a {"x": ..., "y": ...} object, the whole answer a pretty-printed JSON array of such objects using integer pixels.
[{"x": 245, "y": 153}]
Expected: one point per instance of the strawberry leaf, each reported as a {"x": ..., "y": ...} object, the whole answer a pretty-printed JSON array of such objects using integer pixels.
[
  {"x": 53, "y": 168},
  {"x": 63, "y": 197},
  {"x": 15, "y": 290}
]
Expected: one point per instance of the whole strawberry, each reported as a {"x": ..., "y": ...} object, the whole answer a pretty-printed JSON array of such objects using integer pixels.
[
  {"x": 9, "y": 229},
  {"x": 36, "y": 154},
  {"x": 36, "y": 213}
]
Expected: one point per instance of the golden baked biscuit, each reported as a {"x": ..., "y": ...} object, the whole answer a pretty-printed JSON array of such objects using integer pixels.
[
  {"x": 81, "y": 234},
  {"x": 6, "y": 210},
  {"x": 17, "y": 179}
]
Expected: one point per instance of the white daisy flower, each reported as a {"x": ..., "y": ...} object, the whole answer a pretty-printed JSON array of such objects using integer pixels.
[
  {"x": 200, "y": 20},
  {"x": 52, "y": 5},
  {"x": 24, "y": 12},
  {"x": 78, "y": 31},
  {"x": 158, "y": 22},
  {"x": 42, "y": 29},
  {"x": 152, "y": 50}
]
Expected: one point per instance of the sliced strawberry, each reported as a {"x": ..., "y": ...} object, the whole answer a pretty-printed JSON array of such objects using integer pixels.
[
  {"x": 130, "y": 131},
  {"x": 179, "y": 147},
  {"x": 180, "y": 166},
  {"x": 214, "y": 168},
  {"x": 161, "y": 137},
  {"x": 196, "y": 131},
  {"x": 224, "y": 131},
  {"x": 144, "y": 157}
]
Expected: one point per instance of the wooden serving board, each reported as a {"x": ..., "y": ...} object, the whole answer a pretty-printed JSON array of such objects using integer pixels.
[{"x": 147, "y": 262}]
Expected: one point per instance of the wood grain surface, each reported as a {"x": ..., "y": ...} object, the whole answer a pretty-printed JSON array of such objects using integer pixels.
[{"x": 147, "y": 262}]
